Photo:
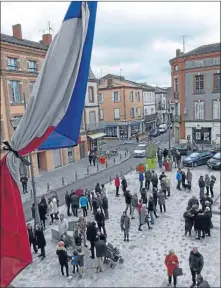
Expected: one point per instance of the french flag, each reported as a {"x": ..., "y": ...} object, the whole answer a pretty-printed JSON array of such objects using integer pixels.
[{"x": 52, "y": 120}]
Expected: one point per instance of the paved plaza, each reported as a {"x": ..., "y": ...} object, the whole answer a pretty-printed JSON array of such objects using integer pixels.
[{"x": 145, "y": 253}]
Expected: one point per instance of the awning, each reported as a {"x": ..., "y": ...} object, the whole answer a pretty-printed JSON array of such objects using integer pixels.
[{"x": 97, "y": 135}]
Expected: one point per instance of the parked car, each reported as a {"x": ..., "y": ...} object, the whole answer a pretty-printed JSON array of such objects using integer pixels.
[
  {"x": 140, "y": 150},
  {"x": 215, "y": 162},
  {"x": 162, "y": 128},
  {"x": 182, "y": 148},
  {"x": 197, "y": 158},
  {"x": 154, "y": 133}
]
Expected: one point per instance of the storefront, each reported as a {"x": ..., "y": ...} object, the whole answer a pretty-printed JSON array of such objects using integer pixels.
[
  {"x": 111, "y": 131},
  {"x": 201, "y": 135},
  {"x": 95, "y": 141}
]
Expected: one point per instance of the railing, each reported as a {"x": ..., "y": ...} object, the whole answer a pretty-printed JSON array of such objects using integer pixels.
[
  {"x": 176, "y": 95},
  {"x": 199, "y": 91},
  {"x": 95, "y": 126}
]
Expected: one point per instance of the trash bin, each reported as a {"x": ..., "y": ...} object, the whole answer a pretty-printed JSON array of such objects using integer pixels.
[
  {"x": 102, "y": 160},
  {"x": 167, "y": 166}
]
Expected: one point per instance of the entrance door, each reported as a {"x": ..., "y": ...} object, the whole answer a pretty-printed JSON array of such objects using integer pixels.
[
  {"x": 82, "y": 150},
  {"x": 70, "y": 155},
  {"x": 57, "y": 158}
]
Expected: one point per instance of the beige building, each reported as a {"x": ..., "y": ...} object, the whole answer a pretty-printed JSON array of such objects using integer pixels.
[
  {"x": 121, "y": 107},
  {"x": 21, "y": 62}
]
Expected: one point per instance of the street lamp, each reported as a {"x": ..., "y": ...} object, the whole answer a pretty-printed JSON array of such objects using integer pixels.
[{"x": 170, "y": 107}]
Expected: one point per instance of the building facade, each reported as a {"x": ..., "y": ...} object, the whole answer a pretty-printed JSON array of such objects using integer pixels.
[
  {"x": 196, "y": 91},
  {"x": 121, "y": 107},
  {"x": 149, "y": 100},
  {"x": 21, "y": 61},
  {"x": 161, "y": 105}
]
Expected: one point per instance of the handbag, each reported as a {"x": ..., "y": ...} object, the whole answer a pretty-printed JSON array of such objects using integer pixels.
[{"x": 177, "y": 272}]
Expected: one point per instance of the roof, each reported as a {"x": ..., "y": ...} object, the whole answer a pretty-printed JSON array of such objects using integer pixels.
[
  {"x": 205, "y": 49},
  {"x": 91, "y": 75},
  {"x": 23, "y": 42}
]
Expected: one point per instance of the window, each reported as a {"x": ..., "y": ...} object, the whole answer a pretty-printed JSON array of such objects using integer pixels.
[
  {"x": 216, "y": 110},
  {"x": 12, "y": 64},
  {"x": 92, "y": 117},
  {"x": 199, "y": 110},
  {"x": 132, "y": 96},
  {"x": 216, "y": 61},
  {"x": 138, "y": 96},
  {"x": 176, "y": 85},
  {"x": 198, "y": 63},
  {"x": 199, "y": 84},
  {"x": 15, "y": 121},
  {"x": 145, "y": 111},
  {"x": 101, "y": 114},
  {"x": 101, "y": 98},
  {"x": 32, "y": 66},
  {"x": 216, "y": 82},
  {"x": 139, "y": 112},
  {"x": 176, "y": 67},
  {"x": 15, "y": 91},
  {"x": 152, "y": 110},
  {"x": 31, "y": 85},
  {"x": 117, "y": 114},
  {"x": 116, "y": 96},
  {"x": 91, "y": 94},
  {"x": 132, "y": 113}
]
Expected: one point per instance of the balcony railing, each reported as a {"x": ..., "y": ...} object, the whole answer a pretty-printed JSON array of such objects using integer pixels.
[
  {"x": 95, "y": 126},
  {"x": 176, "y": 95},
  {"x": 199, "y": 91},
  {"x": 175, "y": 118}
]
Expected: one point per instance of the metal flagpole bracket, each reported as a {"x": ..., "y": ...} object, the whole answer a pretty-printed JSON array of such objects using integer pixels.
[{"x": 9, "y": 148}]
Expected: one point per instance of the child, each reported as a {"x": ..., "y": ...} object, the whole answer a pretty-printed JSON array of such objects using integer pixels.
[
  {"x": 81, "y": 263},
  {"x": 74, "y": 261}
]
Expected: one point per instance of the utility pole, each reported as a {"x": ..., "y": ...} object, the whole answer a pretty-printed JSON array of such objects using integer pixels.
[
  {"x": 49, "y": 27},
  {"x": 37, "y": 217}
]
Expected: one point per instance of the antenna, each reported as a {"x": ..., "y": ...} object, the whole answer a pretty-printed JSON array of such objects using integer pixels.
[
  {"x": 120, "y": 72},
  {"x": 101, "y": 72},
  {"x": 49, "y": 27},
  {"x": 184, "y": 37}
]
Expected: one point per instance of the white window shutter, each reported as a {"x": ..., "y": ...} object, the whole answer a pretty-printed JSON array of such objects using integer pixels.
[
  {"x": 112, "y": 96},
  {"x": 119, "y": 96}
]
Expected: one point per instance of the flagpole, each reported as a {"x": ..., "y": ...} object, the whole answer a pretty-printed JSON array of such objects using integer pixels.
[{"x": 37, "y": 217}]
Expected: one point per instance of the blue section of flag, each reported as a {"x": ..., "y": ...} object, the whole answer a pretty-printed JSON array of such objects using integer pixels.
[
  {"x": 74, "y": 10},
  {"x": 69, "y": 127}
]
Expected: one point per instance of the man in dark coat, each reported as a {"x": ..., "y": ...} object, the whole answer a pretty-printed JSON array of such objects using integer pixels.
[
  {"x": 128, "y": 198},
  {"x": 207, "y": 223},
  {"x": 105, "y": 206},
  {"x": 193, "y": 201},
  {"x": 68, "y": 203},
  {"x": 178, "y": 158},
  {"x": 124, "y": 184},
  {"x": 154, "y": 179},
  {"x": 94, "y": 159},
  {"x": 40, "y": 241},
  {"x": 92, "y": 236},
  {"x": 98, "y": 189},
  {"x": 165, "y": 154},
  {"x": 147, "y": 179},
  {"x": 63, "y": 257},
  {"x": 188, "y": 216},
  {"x": 42, "y": 208},
  {"x": 196, "y": 264},
  {"x": 100, "y": 219},
  {"x": 198, "y": 225},
  {"x": 90, "y": 158},
  {"x": 144, "y": 195},
  {"x": 100, "y": 247},
  {"x": 31, "y": 236},
  {"x": 74, "y": 204},
  {"x": 24, "y": 181},
  {"x": 95, "y": 204}
]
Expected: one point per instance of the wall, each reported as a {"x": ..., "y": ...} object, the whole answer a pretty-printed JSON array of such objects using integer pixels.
[
  {"x": 135, "y": 104},
  {"x": 208, "y": 97},
  {"x": 95, "y": 88},
  {"x": 87, "y": 114}
]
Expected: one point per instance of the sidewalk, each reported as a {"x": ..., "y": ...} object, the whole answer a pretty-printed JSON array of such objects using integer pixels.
[
  {"x": 70, "y": 173},
  {"x": 145, "y": 253}
]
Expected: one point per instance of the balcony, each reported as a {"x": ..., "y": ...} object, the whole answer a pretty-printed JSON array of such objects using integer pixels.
[
  {"x": 176, "y": 95},
  {"x": 199, "y": 91},
  {"x": 95, "y": 126},
  {"x": 150, "y": 118},
  {"x": 175, "y": 118}
]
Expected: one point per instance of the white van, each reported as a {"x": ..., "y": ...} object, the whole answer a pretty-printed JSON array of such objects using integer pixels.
[{"x": 162, "y": 128}]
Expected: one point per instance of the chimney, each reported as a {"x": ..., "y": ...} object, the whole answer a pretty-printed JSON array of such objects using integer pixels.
[
  {"x": 17, "y": 31},
  {"x": 178, "y": 52},
  {"x": 46, "y": 39}
]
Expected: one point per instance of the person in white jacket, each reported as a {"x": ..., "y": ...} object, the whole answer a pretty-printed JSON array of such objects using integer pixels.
[
  {"x": 62, "y": 225},
  {"x": 51, "y": 210},
  {"x": 55, "y": 204},
  {"x": 167, "y": 184}
]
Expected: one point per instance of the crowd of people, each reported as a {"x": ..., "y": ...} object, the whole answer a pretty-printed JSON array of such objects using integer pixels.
[{"x": 146, "y": 204}]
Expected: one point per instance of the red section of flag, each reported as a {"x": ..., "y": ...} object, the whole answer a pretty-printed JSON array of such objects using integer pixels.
[{"x": 79, "y": 140}]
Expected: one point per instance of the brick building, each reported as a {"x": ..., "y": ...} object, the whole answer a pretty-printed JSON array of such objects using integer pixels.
[{"x": 21, "y": 61}]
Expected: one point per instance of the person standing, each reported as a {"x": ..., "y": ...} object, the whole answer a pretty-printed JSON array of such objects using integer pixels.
[
  {"x": 55, "y": 204},
  {"x": 78, "y": 240},
  {"x": 167, "y": 184},
  {"x": 207, "y": 181},
  {"x": 31, "y": 237},
  {"x": 74, "y": 204},
  {"x": 42, "y": 211},
  {"x": 184, "y": 185},
  {"x": 94, "y": 159},
  {"x": 81, "y": 263},
  {"x": 196, "y": 264},
  {"x": 51, "y": 210},
  {"x": 171, "y": 262},
  {"x": 179, "y": 179},
  {"x": 88, "y": 195},
  {"x": 40, "y": 241},
  {"x": 103, "y": 189},
  {"x": 105, "y": 206},
  {"x": 147, "y": 179},
  {"x": 140, "y": 204},
  {"x": 128, "y": 198},
  {"x": 100, "y": 247},
  {"x": 95, "y": 204},
  {"x": 134, "y": 204},
  {"x": 189, "y": 178},
  {"x": 24, "y": 182},
  {"x": 144, "y": 217},
  {"x": 165, "y": 154},
  {"x": 62, "y": 225},
  {"x": 100, "y": 219},
  {"x": 151, "y": 209},
  {"x": 124, "y": 184},
  {"x": 155, "y": 197},
  {"x": 91, "y": 236},
  {"x": 63, "y": 258},
  {"x": 201, "y": 183},
  {"x": 211, "y": 185},
  {"x": 160, "y": 158},
  {"x": 74, "y": 261},
  {"x": 68, "y": 203},
  {"x": 161, "y": 201},
  {"x": 178, "y": 158},
  {"x": 193, "y": 201},
  {"x": 162, "y": 179},
  {"x": 90, "y": 158},
  {"x": 97, "y": 189},
  {"x": 125, "y": 225},
  {"x": 141, "y": 179},
  {"x": 117, "y": 185},
  {"x": 82, "y": 225},
  {"x": 83, "y": 204},
  {"x": 154, "y": 179},
  {"x": 188, "y": 216}
]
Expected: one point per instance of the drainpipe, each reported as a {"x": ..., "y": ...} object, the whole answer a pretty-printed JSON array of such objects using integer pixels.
[{"x": 125, "y": 116}]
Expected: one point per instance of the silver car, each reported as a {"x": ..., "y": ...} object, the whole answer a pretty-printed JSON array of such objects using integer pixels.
[{"x": 140, "y": 151}]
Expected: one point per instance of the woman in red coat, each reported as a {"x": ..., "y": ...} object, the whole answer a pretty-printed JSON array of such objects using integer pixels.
[
  {"x": 171, "y": 262},
  {"x": 117, "y": 185}
]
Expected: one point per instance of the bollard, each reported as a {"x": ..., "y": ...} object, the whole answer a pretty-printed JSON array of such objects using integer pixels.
[
  {"x": 106, "y": 164},
  {"x": 87, "y": 170},
  {"x": 31, "y": 193},
  {"x": 120, "y": 156},
  {"x": 114, "y": 160},
  {"x": 48, "y": 187},
  {"x": 97, "y": 167},
  {"x": 76, "y": 176},
  {"x": 62, "y": 181}
]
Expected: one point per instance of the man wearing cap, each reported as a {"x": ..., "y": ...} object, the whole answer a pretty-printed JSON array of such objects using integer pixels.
[{"x": 196, "y": 263}]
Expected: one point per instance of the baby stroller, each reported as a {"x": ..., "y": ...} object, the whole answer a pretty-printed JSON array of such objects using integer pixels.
[{"x": 112, "y": 256}]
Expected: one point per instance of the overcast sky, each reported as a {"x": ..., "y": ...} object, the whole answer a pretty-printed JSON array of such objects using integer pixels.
[{"x": 138, "y": 38}]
